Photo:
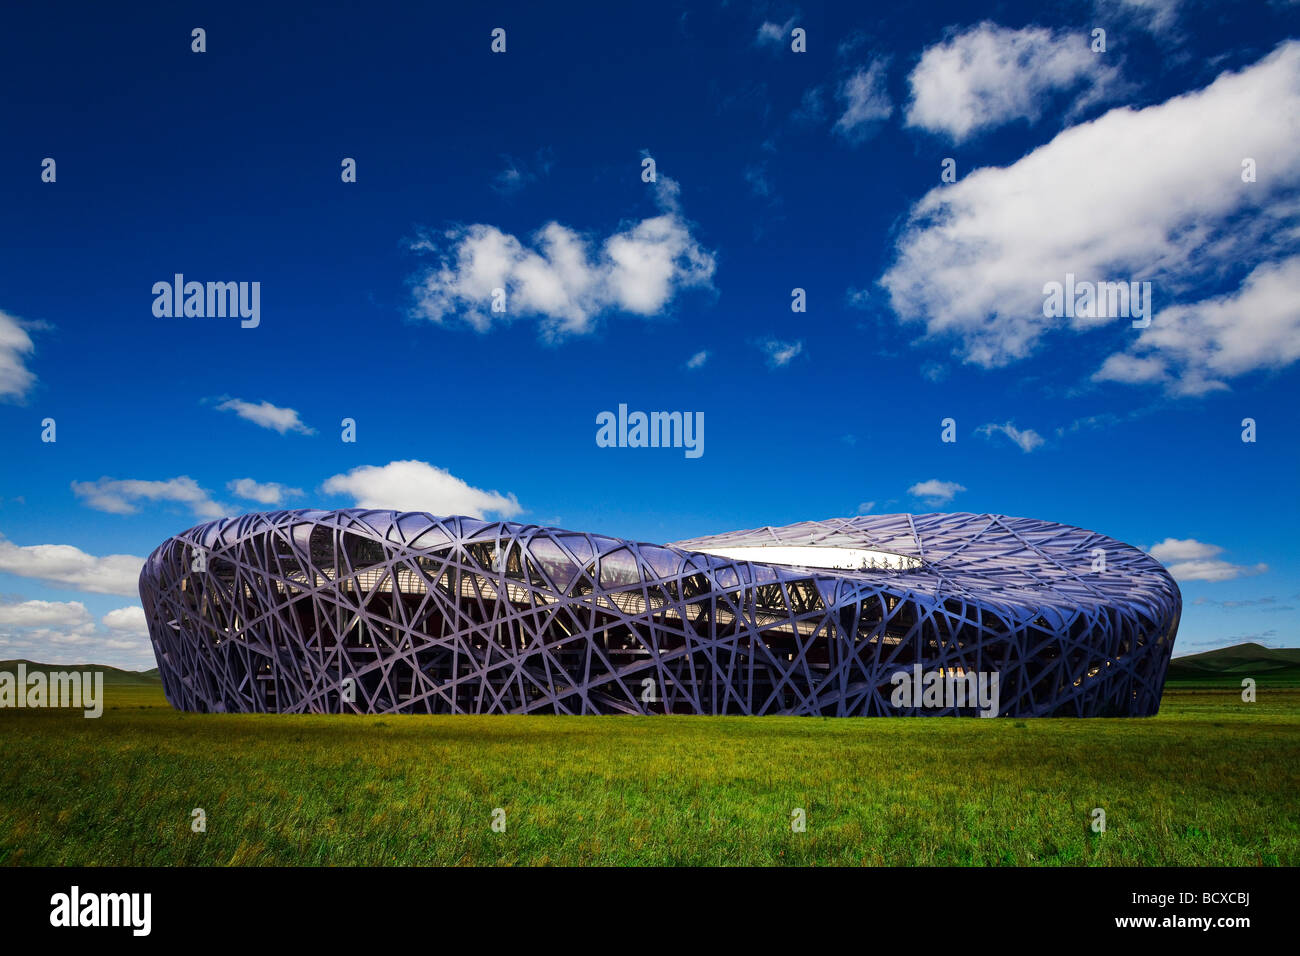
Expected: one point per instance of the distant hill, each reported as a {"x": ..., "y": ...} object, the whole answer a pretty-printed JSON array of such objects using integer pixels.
[
  {"x": 1275, "y": 664},
  {"x": 1222, "y": 665},
  {"x": 112, "y": 675}
]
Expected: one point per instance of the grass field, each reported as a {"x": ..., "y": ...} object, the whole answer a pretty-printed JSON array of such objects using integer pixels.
[{"x": 1209, "y": 781}]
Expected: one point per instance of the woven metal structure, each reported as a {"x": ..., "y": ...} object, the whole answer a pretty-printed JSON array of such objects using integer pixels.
[{"x": 388, "y": 612}]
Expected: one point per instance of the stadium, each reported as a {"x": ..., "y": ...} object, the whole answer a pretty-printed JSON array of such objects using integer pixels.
[{"x": 360, "y": 611}]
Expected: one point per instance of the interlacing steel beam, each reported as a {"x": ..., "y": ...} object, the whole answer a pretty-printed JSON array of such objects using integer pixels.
[{"x": 404, "y": 612}]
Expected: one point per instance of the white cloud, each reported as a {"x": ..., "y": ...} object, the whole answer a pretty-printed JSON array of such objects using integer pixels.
[
  {"x": 36, "y": 629},
  {"x": 1027, "y": 439},
  {"x": 418, "y": 486},
  {"x": 1183, "y": 549},
  {"x": 121, "y": 496},
  {"x": 698, "y": 359},
  {"x": 1265, "y": 603},
  {"x": 1152, "y": 194},
  {"x": 518, "y": 173},
  {"x": 1156, "y": 15},
  {"x": 267, "y": 415},
  {"x": 934, "y": 371},
  {"x": 780, "y": 353},
  {"x": 70, "y": 615},
  {"x": 556, "y": 278},
  {"x": 62, "y": 565},
  {"x": 128, "y": 620},
  {"x": 1212, "y": 570},
  {"x": 866, "y": 507},
  {"x": 64, "y": 632},
  {"x": 1125, "y": 367},
  {"x": 267, "y": 493},
  {"x": 812, "y": 107},
  {"x": 990, "y": 75},
  {"x": 510, "y": 180},
  {"x": 857, "y": 298},
  {"x": 1190, "y": 560},
  {"x": 1192, "y": 348},
  {"x": 866, "y": 102},
  {"x": 773, "y": 34},
  {"x": 15, "y": 346},
  {"x": 935, "y": 492}
]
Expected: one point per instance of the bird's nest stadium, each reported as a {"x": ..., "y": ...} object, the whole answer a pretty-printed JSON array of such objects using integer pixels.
[{"x": 359, "y": 611}]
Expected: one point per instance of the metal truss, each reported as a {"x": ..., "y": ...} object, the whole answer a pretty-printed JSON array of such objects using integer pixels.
[{"x": 400, "y": 612}]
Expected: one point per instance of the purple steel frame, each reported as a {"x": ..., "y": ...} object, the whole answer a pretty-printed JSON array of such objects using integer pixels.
[{"x": 404, "y": 612}]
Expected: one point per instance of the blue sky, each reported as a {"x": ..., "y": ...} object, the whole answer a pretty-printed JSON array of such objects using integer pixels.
[{"x": 774, "y": 170}]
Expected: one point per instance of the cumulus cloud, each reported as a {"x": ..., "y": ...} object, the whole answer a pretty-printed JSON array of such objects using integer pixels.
[
  {"x": 267, "y": 415},
  {"x": 122, "y": 496},
  {"x": 1152, "y": 194},
  {"x": 1183, "y": 549},
  {"x": 935, "y": 492},
  {"x": 698, "y": 359},
  {"x": 266, "y": 493},
  {"x": 1191, "y": 349},
  {"x": 990, "y": 75},
  {"x": 63, "y": 565},
  {"x": 557, "y": 277},
  {"x": 1212, "y": 570},
  {"x": 780, "y": 353},
  {"x": 418, "y": 486},
  {"x": 15, "y": 347},
  {"x": 127, "y": 621},
  {"x": 1190, "y": 560},
  {"x": 71, "y": 615},
  {"x": 1133, "y": 369},
  {"x": 64, "y": 632},
  {"x": 1027, "y": 439},
  {"x": 866, "y": 102}
]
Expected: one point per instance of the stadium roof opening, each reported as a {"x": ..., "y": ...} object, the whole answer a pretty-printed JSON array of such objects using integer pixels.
[{"x": 836, "y": 559}]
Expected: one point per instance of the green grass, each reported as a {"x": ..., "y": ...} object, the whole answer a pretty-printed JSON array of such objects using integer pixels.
[{"x": 1209, "y": 781}]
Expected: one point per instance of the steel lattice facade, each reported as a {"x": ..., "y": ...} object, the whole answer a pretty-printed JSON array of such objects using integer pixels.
[{"x": 389, "y": 612}]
